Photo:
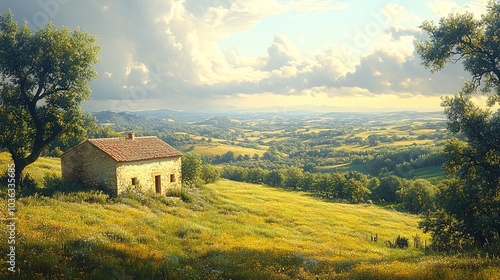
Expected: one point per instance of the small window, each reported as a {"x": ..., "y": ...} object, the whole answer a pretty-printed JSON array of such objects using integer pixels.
[
  {"x": 172, "y": 178},
  {"x": 134, "y": 181}
]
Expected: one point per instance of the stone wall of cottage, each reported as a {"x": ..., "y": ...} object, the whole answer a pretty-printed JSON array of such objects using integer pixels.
[
  {"x": 143, "y": 174},
  {"x": 87, "y": 165}
]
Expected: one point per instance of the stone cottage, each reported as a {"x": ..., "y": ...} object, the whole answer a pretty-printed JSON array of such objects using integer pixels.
[{"x": 120, "y": 163}]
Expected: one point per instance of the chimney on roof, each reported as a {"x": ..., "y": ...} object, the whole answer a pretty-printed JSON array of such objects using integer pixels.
[{"x": 131, "y": 135}]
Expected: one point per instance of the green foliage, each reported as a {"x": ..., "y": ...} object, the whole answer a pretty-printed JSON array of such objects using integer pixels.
[
  {"x": 209, "y": 174},
  {"x": 147, "y": 200},
  {"x": 399, "y": 242},
  {"x": 350, "y": 186},
  {"x": 468, "y": 206},
  {"x": 174, "y": 192},
  {"x": 191, "y": 168},
  {"x": 235, "y": 173},
  {"x": 355, "y": 191},
  {"x": 256, "y": 175},
  {"x": 182, "y": 193},
  {"x": 308, "y": 181},
  {"x": 388, "y": 189},
  {"x": 402, "y": 242},
  {"x": 92, "y": 196},
  {"x": 446, "y": 231},
  {"x": 274, "y": 178},
  {"x": 293, "y": 176},
  {"x": 186, "y": 197},
  {"x": 41, "y": 91},
  {"x": 29, "y": 186},
  {"x": 89, "y": 129},
  {"x": 419, "y": 197},
  {"x": 53, "y": 185}
]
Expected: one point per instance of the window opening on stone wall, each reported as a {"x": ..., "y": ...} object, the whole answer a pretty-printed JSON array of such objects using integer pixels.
[
  {"x": 134, "y": 181},
  {"x": 172, "y": 178}
]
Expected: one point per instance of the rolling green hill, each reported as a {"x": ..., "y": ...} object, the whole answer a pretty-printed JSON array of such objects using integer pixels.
[{"x": 225, "y": 230}]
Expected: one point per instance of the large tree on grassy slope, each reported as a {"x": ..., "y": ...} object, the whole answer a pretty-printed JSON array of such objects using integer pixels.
[
  {"x": 44, "y": 78},
  {"x": 469, "y": 205}
]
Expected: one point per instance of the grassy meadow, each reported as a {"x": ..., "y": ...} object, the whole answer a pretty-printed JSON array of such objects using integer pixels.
[
  {"x": 219, "y": 149},
  {"x": 37, "y": 170},
  {"x": 226, "y": 230}
]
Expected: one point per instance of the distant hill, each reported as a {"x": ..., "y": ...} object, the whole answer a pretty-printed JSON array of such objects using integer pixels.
[
  {"x": 387, "y": 116},
  {"x": 148, "y": 117},
  {"x": 117, "y": 117},
  {"x": 211, "y": 118},
  {"x": 160, "y": 113}
]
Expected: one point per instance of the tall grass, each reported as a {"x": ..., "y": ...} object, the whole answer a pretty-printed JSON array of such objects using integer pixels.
[{"x": 226, "y": 230}]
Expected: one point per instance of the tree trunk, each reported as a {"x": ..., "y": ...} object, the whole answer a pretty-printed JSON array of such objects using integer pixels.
[
  {"x": 20, "y": 164},
  {"x": 19, "y": 174}
]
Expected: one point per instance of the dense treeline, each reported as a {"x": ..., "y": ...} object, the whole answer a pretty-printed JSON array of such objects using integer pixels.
[{"x": 415, "y": 196}]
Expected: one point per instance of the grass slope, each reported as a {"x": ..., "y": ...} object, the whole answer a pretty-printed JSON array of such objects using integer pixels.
[
  {"x": 37, "y": 170},
  {"x": 434, "y": 174},
  {"x": 220, "y": 149},
  {"x": 228, "y": 230}
]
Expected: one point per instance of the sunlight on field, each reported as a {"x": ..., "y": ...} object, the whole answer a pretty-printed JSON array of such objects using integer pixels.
[
  {"x": 229, "y": 230},
  {"x": 434, "y": 174},
  {"x": 5, "y": 160},
  {"x": 388, "y": 131},
  {"x": 36, "y": 170},
  {"x": 323, "y": 230},
  {"x": 423, "y": 131},
  {"x": 268, "y": 140},
  {"x": 361, "y": 148},
  {"x": 219, "y": 149},
  {"x": 354, "y": 147},
  {"x": 412, "y": 142},
  {"x": 242, "y": 217},
  {"x": 310, "y": 130}
]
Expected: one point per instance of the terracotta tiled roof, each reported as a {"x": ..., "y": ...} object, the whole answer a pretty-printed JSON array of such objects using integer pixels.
[{"x": 139, "y": 148}]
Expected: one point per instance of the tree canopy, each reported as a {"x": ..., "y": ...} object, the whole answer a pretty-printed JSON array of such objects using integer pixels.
[
  {"x": 469, "y": 205},
  {"x": 191, "y": 168},
  {"x": 44, "y": 78}
]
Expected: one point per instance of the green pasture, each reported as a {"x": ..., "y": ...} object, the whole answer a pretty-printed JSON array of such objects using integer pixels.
[{"x": 226, "y": 230}]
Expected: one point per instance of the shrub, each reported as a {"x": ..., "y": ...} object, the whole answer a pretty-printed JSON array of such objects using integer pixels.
[
  {"x": 54, "y": 185},
  {"x": 180, "y": 192},
  {"x": 419, "y": 197},
  {"x": 175, "y": 192},
  {"x": 29, "y": 187},
  {"x": 191, "y": 168},
  {"x": 400, "y": 242},
  {"x": 186, "y": 197},
  {"x": 95, "y": 196},
  {"x": 118, "y": 234},
  {"x": 209, "y": 174},
  {"x": 51, "y": 181}
]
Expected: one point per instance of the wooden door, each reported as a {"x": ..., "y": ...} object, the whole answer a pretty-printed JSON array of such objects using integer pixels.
[{"x": 158, "y": 183}]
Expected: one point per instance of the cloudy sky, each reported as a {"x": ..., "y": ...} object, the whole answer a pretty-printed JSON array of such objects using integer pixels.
[{"x": 219, "y": 55}]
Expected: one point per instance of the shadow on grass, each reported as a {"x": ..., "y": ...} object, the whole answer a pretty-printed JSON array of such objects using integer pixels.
[
  {"x": 53, "y": 185},
  {"x": 94, "y": 259},
  {"x": 97, "y": 259}
]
